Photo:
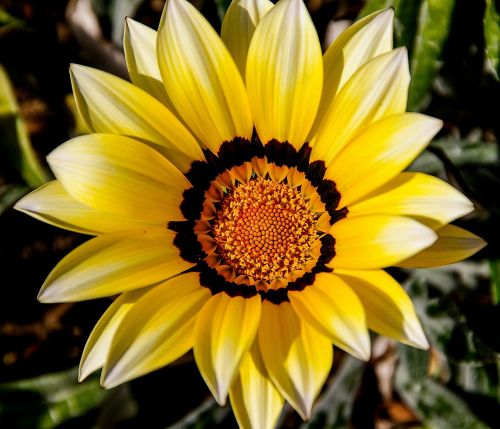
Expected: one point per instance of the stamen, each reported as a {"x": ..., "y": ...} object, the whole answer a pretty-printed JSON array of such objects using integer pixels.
[{"x": 265, "y": 230}]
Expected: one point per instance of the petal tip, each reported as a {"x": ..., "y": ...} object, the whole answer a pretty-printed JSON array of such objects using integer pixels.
[
  {"x": 386, "y": 16},
  {"x": 416, "y": 335},
  {"x": 44, "y": 297},
  {"x": 21, "y": 205},
  {"x": 364, "y": 353},
  {"x": 221, "y": 398},
  {"x": 107, "y": 380},
  {"x": 82, "y": 373}
]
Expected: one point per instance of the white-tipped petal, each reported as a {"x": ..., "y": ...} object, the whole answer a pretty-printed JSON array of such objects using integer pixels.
[
  {"x": 50, "y": 203},
  {"x": 362, "y": 41},
  {"x": 156, "y": 331},
  {"x": 139, "y": 44},
  {"x": 284, "y": 74},
  {"x": 332, "y": 308},
  {"x": 114, "y": 263},
  {"x": 389, "y": 310},
  {"x": 99, "y": 342},
  {"x": 377, "y": 90},
  {"x": 377, "y": 241},
  {"x": 453, "y": 245},
  {"x": 119, "y": 175},
  {"x": 255, "y": 400},
  {"x": 417, "y": 195},
  {"x": 297, "y": 357},
  {"x": 200, "y": 77},
  {"x": 238, "y": 26},
  {"x": 225, "y": 329},
  {"x": 109, "y": 104}
]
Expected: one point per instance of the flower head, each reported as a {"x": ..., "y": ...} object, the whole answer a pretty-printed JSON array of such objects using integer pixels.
[{"x": 246, "y": 194}]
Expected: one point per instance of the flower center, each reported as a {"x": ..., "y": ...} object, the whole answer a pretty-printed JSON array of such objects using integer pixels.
[
  {"x": 264, "y": 230},
  {"x": 258, "y": 219}
]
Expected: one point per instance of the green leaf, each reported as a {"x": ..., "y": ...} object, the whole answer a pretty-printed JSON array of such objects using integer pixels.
[
  {"x": 437, "y": 406},
  {"x": 495, "y": 280},
  {"x": 492, "y": 38},
  {"x": 405, "y": 24},
  {"x": 466, "y": 357},
  {"x": 9, "y": 194},
  {"x": 433, "y": 26},
  {"x": 119, "y": 406},
  {"x": 14, "y": 139},
  {"x": 222, "y": 6},
  {"x": 46, "y": 401},
  {"x": 333, "y": 409},
  {"x": 374, "y": 5},
  {"x": 460, "y": 152},
  {"x": 206, "y": 416},
  {"x": 8, "y": 20}
]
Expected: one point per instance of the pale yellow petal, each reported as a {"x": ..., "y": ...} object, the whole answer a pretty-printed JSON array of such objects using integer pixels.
[
  {"x": 99, "y": 342},
  {"x": 109, "y": 104},
  {"x": 453, "y": 245},
  {"x": 296, "y": 356},
  {"x": 254, "y": 399},
  {"x": 156, "y": 331},
  {"x": 117, "y": 174},
  {"x": 224, "y": 331},
  {"x": 362, "y": 41},
  {"x": 114, "y": 263},
  {"x": 52, "y": 204},
  {"x": 331, "y": 307},
  {"x": 389, "y": 310},
  {"x": 139, "y": 44},
  {"x": 380, "y": 153},
  {"x": 238, "y": 26},
  {"x": 377, "y": 90},
  {"x": 200, "y": 76},
  {"x": 372, "y": 242},
  {"x": 417, "y": 195},
  {"x": 284, "y": 74}
]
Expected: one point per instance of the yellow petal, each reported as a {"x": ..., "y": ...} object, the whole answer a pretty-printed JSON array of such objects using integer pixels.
[
  {"x": 99, "y": 342},
  {"x": 139, "y": 44},
  {"x": 109, "y": 104},
  {"x": 52, "y": 204},
  {"x": 376, "y": 90},
  {"x": 224, "y": 331},
  {"x": 156, "y": 331},
  {"x": 117, "y": 174},
  {"x": 379, "y": 153},
  {"x": 238, "y": 26},
  {"x": 417, "y": 195},
  {"x": 453, "y": 245},
  {"x": 296, "y": 356},
  {"x": 254, "y": 399},
  {"x": 114, "y": 263},
  {"x": 284, "y": 74},
  {"x": 372, "y": 242},
  {"x": 389, "y": 310},
  {"x": 331, "y": 307},
  {"x": 362, "y": 41},
  {"x": 201, "y": 77}
]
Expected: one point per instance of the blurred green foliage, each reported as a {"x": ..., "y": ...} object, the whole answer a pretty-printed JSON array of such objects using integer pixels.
[
  {"x": 14, "y": 139},
  {"x": 492, "y": 37},
  {"x": 47, "y": 401}
]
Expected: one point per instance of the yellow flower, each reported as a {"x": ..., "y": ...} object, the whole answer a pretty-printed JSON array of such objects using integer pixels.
[{"x": 246, "y": 194}]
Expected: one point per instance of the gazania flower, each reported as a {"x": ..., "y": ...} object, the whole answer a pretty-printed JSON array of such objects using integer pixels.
[{"x": 246, "y": 194}]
